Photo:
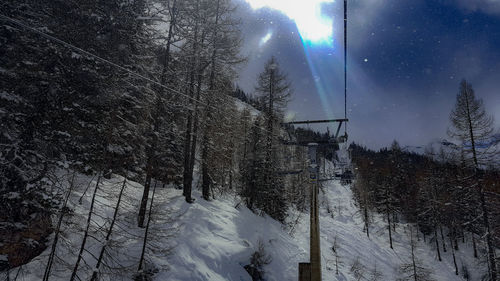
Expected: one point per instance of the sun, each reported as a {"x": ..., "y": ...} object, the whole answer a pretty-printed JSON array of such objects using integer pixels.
[{"x": 313, "y": 25}]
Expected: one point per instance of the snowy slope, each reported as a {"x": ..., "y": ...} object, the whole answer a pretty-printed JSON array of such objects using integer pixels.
[
  {"x": 218, "y": 240},
  {"x": 214, "y": 240},
  {"x": 123, "y": 249},
  {"x": 345, "y": 223},
  {"x": 243, "y": 105}
]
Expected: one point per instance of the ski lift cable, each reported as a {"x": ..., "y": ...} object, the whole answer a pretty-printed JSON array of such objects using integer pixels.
[
  {"x": 80, "y": 50},
  {"x": 345, "y": 65},
  {"x": 71, "y": 46}
]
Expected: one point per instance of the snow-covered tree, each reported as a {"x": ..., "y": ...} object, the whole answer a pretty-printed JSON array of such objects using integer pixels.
[{"x": 472, "y": 125}]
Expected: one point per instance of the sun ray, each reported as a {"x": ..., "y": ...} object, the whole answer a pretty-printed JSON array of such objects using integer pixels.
[{"x": 313, "y": 25}]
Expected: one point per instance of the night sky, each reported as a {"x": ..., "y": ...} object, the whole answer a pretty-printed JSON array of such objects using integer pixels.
[{"x": 405, "y": 61}]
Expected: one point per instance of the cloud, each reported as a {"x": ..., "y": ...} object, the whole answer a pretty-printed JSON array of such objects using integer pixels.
[{"x": 485, "y": 6}]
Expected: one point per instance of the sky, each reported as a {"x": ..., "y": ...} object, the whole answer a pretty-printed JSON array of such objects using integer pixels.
[{"x": 406, "y": 59}]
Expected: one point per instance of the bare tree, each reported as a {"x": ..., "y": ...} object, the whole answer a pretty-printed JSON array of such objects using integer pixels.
[
  {"x": 376, "y": 274},
  {"x": 413, "y": 270},
  {"x": 471, "y": 124},
  {"x": 335, "y": 249},
  {"x": 63, "y": 210},
  {"x": 273, "y": 84},
  {"x": 146, "y": 231},
  {"x": 358, "y": 269},
  {"x": 110, "y": 230},
  {"x": 225, "y": 43},
  {"x": 86, "y": 233},
  {"x": 157, "y": 111}
]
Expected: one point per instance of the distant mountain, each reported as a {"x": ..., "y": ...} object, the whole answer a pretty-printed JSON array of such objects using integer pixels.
[
  {"x": 489, "y": 149},
  {"x": 433, "y": 147}
]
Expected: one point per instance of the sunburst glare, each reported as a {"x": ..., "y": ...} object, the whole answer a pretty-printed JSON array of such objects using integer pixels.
[{"x": 313, "y": 25}]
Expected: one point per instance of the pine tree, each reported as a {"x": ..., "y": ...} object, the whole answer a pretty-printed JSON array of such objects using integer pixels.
[
  {"x": 161, "y": 129},
  {"x": 274, "y": 87},
  {"x": 472, "y": 125},
  {"x": 225, "y": 44}
]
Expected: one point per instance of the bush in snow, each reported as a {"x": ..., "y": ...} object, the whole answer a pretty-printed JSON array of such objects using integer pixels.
[
  {"x": 146, "y": 274},
  {"x": 376, "y": 274},
  {"x": 465, "y": 272},
  {"x": 358, "y": 269},
  {"x": 413, "y": 269},
  {"x": 258, "y": 260}
]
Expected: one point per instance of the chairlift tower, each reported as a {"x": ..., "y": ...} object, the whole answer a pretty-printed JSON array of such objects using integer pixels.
[{"x": 312, "y": 270}]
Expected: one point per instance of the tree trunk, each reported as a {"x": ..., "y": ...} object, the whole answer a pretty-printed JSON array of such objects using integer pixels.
[
  {"x": 437, "y": 244},
  {"x": 144, "y": 199},
  {"x": 366, "y": 221},
  {"x": 146, "y": 231},
  {"x": 187, "y": 177},
  {"x": 86, "y": 233},
  {"x": 491, "y": 250},
  {"x": 206, "y": 179},
  {"x": 188, "y": 174},
  {"x": 413, "y": 257},
  {"x": 489, "y": 242},
  {"x": 442, "y": 237},
  {"x": 194, "y": 134},
  {"x": 454, "y": 259},
  {"x": 389, "y": 228},
  {"x": 149, "y": 161},
  {"x": 269, "y": 145},
  {"x": 394, "y": 219},
  {"x": 474, "y": 244}
]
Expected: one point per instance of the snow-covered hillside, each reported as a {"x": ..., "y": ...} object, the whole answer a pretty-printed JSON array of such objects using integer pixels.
[
  {"x": 434, "y": 147},
  {"x": 488, "y": 151},
  {"x": 214, "y": 240},
  {"x": 245, "y": 106}
]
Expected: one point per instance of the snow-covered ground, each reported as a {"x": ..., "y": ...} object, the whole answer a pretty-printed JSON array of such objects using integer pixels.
[
  {"x": 240, "y": 106},
  {"x": 214, "y": 240}
]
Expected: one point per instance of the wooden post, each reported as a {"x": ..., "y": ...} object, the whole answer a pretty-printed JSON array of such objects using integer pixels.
[
  {"x": 315, "y": 252},
  {"x": 304, "y": 271}
]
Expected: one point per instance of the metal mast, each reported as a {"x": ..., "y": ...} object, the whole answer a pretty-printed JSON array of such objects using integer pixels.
[{"x": 345, "y": 64}]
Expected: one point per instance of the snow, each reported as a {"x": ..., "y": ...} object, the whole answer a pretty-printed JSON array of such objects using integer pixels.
[
  {"x": 213, "y": 240},
  {"x": 434, "y": 146},
  {"x": 64, "y": 134},
  {"x": 218, "y": 240},
  {"x": 13, "y": 195},
  {"x": 242, "y": 106},
  {"x": 10, "y": 97},
  {"x": 75, "y": 55}
]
